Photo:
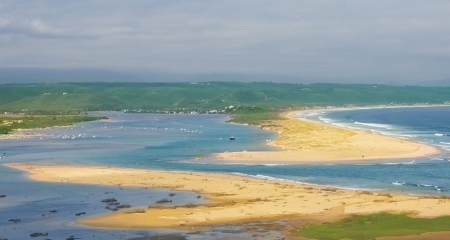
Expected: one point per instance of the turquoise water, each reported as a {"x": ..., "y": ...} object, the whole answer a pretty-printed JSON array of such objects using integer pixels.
[{"x": 172, "y": 142}]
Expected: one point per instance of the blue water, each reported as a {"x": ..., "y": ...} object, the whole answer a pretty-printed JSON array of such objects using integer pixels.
[
  {"x": 172, "y": 142},
  {"x": 429, "y": 125}
]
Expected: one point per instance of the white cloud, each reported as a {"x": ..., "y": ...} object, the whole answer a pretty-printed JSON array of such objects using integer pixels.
[
  {"x": 3, "y": 22},
  {"x": 39, "y": 26}
]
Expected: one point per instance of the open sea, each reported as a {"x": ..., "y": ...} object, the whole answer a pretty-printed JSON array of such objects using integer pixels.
[{"x": 172, "y": 142}]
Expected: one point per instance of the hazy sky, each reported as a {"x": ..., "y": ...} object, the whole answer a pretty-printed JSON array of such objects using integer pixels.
[{"x": 355, "y": 40}]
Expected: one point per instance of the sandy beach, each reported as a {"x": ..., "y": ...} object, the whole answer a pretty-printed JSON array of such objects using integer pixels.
[
  {"x": 303, "y": 141},
  {"x": 231, "y": 198}
]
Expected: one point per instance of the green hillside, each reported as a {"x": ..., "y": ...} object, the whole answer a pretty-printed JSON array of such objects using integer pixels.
[{"x": 205, "y": 96}]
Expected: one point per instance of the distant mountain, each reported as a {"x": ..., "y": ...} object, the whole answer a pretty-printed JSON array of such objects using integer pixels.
[
  {"x": 48, "y": 75},
  {"x": 226, "y": 77},
  {"x": 51, "y": 75},
  {"x": 43, "y": 75},
  {"x": 217, "y": 77}
]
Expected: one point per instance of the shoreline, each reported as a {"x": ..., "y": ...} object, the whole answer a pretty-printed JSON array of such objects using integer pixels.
[
  {"x": 23, "y": 134},
  {"x": 305, "y": 141},
  {"x": 27, "y": 133},
  {"x": 232, "y": 198}
]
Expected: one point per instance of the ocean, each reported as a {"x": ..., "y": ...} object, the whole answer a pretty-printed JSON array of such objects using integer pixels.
[{"x": 172, "y": 142}]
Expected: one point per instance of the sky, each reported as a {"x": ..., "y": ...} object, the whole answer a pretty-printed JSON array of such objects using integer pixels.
[{"x": 318, "y": 40}]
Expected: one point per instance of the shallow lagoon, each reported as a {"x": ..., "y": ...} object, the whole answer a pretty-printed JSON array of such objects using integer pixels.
[{"x": 138, "y": 141}]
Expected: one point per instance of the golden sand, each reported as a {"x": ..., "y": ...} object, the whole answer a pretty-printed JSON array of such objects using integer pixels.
[
  {"x": 306, "y": 141},
  {"x": 231, "y": 198}
]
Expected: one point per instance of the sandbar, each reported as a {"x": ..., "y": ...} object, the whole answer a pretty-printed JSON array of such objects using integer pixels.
[
  {"x": 232, "y": 198},
  {"x": 302, "y": 141}
]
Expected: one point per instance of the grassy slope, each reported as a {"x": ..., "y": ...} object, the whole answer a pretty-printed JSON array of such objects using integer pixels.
[
  {"x": 373, "y": 226},
  {"x": 65, "y": 102},
  {"x": 256, "y": 115},
  {"x": 213, "y": 95}
]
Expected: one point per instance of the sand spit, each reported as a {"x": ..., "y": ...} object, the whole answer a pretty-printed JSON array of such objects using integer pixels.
[
  {"x": 231, "y": 198},
  {"x": 303, "y": 141}
]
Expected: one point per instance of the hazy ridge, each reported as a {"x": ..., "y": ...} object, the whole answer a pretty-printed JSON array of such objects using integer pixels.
[{"x": 207, "y": 95}]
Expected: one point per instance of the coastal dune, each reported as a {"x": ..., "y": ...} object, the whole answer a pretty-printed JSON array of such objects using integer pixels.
[
  {"x": 305, "y": 141},
  {"x": 231, "y": 198}
]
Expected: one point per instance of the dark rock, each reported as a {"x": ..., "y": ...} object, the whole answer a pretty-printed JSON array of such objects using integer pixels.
[
  {"x": 53, "y": 211},
  {"x": 14, "y": 220},
  {"x": 38, "y": 234},
  {"x": 164, "y": 200},
  {"x": 79, "y": 214},
  {"x": 190, "y": 205},
  {"x": 2, "y": 196},
  {"x": 109, "y": 200},
  {"x": 124, "y": 206},
  {"x": 72, "y": 238},
  {"x": 168, "y": 236},
  {"x": 114, "y": 203},
  {"x": 111, "y": 209},
  {"x": 3, "y": 239},
  {"x": 172, "y": 194},
  {"x": 199, "y": 196}
]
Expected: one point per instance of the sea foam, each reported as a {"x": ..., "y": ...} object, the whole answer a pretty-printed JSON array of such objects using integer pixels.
[{"x": 376, "y": 125}]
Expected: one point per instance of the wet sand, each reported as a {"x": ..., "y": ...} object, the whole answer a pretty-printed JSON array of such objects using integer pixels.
[
  {"x": 232, "y": 198},
  {"x": 303, "y": 141}
]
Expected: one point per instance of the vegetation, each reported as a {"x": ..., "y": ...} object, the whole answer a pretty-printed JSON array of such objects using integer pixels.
[
  {"x": 256, "y": 116},
  {"x": 9, "y": 124},
  {"x": 374, "y": 226},
  {"x": 255, "y": 103},
  {"x": 160, "y": 97}
]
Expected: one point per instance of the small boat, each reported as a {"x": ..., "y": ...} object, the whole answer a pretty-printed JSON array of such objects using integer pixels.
[{"x": 232, "y": 138}]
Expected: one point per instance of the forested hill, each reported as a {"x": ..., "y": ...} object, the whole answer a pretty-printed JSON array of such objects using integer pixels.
[{"x": 206, "y": 96}]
